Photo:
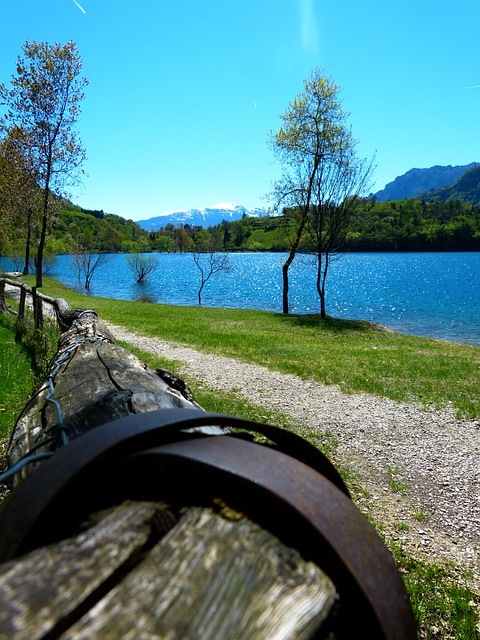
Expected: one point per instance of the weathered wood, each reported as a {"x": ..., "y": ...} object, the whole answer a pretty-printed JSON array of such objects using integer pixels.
[
  {"x": 49, "y": 584},
  {"x": 201, "y": 573},
  {"x": 37, "y": 309},
  {"x": 213, "y": 575},
  {"x": 21, "y": 305},
  {"x": 101, "y": 382}
]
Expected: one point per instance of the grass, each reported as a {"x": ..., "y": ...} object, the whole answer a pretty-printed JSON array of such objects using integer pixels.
[
  {"x": 394, "y": 482},
  {"x": 350, "y": 354},
  {"x": 17, "y": 376},
  {"x": 442, "y": 607}
]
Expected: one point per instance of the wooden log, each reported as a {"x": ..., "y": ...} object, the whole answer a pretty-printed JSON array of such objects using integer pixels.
[
  {"x": 95, "y": 381},
  {"x": 21, "y": 305},
  {"x": 37, "y": 309},
  {"x": 212, "y": 575},
  {"x": 204, "y": 572}
]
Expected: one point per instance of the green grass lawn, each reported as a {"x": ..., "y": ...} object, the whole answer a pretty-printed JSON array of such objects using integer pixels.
[
  {"x": 16, "y": 376},
  {"x": 351, "y": 354}
]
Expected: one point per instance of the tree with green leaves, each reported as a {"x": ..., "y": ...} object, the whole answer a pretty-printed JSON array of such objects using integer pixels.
[
  {"x": 20, "y": 195},
  {"x": 337, "y": 202},
  {"x": 313, "y": 139},
  {"x": 44, "y": 102}
]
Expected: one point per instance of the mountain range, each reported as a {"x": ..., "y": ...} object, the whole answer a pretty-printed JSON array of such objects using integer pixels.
[
  {"x": 441, "y": 183},
  {"x": 465, "y": 189},
  {"x": 420, "y": 181},
  {"x": 205, "y": 217}
]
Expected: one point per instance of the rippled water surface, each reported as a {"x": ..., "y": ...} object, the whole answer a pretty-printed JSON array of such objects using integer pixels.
[{"x": 428, "y": 294}]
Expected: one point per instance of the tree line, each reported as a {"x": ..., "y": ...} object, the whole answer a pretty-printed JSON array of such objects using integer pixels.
[{"x": 400, "y": 225}]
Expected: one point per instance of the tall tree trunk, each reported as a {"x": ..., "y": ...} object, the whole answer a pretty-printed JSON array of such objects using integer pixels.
[
  {"x": 43, "y": 233},
  {"x": 27, "y": 244},
  {"x": 285, "y": 281},
  {"x": 291, "y": 257},
  {"x": 322, "y": 269},
  {"x": 41, "y": 245}
]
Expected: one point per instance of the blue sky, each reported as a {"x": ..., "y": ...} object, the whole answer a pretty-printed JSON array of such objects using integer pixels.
[{"x": 183, "y": 94}]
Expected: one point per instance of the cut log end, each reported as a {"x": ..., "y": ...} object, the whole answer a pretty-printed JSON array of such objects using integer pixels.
[{"x": 209, "y": 576}]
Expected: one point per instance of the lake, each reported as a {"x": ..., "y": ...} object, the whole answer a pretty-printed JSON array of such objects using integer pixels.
[{"x": 427, "y": 294}]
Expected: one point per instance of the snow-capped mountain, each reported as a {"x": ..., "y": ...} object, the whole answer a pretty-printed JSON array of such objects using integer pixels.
[{"x": 205, "y": 217}]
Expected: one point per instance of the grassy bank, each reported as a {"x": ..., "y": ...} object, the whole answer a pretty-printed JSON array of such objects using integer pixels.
[
  {"x": 17, "y": 376},
  {"x": 351, "y": 354}
]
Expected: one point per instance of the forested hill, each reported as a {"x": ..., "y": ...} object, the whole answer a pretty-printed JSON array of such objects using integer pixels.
[
  {"x": 466, "y": 189},
  {"x": 416, "y": 225},
  {"x": 402, "y": 225}
]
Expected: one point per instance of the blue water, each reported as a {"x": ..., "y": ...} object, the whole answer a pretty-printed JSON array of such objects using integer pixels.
[{"x": 427, "y": 294}]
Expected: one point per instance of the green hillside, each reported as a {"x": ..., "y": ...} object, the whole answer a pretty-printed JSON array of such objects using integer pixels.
[
  {"x": 401, "y": 225},
  {"x": 465, "y": 189}
]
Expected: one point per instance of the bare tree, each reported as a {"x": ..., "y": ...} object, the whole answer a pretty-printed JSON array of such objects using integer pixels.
[
  {"x": 44, "y": 102},
  {"x": 17, "y": 261},
  {"x": 86, "y": 264},
  {"x": 208, "y": 264},
  {"x": 142, "y": 266}
]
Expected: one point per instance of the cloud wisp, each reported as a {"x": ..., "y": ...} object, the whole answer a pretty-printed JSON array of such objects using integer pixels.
[
  {"x": 308, "y": 26},
  {"x": 80, "y": 7}
]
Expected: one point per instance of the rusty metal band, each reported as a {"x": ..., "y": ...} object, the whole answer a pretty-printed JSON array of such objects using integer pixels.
[
  {"x": 348, "y": 547},
  {"x": 293, "y": 479},
  {"x": 37, "y": 496}
]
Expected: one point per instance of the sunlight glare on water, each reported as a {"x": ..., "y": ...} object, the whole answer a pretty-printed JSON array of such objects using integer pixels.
[{"x": 429, "y": 294}]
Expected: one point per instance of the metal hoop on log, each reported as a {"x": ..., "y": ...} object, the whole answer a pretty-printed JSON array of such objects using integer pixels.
[{"x": 144, "y": 516}]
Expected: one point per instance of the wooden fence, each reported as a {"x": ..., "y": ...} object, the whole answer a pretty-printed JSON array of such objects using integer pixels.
[{"x": 37, "y": 300}]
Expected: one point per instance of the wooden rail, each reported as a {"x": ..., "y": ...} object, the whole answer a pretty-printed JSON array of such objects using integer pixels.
[{"x": 59, "y": 305}]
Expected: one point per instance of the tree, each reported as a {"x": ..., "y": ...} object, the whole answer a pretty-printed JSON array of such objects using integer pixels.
[
  {"x": 19, "y": 192},
  {"x": 336, "y": 203},
  {"x": 208, "y": 259},
  {"x": 44, "y": 102},
  {"x": 86, "y": 263},
  {"x": 313, "y": 137},
  {"x": 209, "y": 264},
  {"x": 142, "y": 266}
]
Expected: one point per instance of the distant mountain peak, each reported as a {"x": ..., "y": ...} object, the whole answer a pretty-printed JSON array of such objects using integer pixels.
[
  {"x": 204, "y": 217},
  {"x": 417, "y": 181},
  {"x": 465, "y": 189}
]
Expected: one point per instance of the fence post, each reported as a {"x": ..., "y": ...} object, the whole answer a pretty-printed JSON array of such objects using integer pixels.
[
  {"x": 3, "y": 307},
  {"x": 21, "y": 305},
  {"x": 37, "y": 309}
]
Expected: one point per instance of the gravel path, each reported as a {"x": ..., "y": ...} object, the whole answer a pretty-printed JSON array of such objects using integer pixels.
[{"x": 416, "y": 471}]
